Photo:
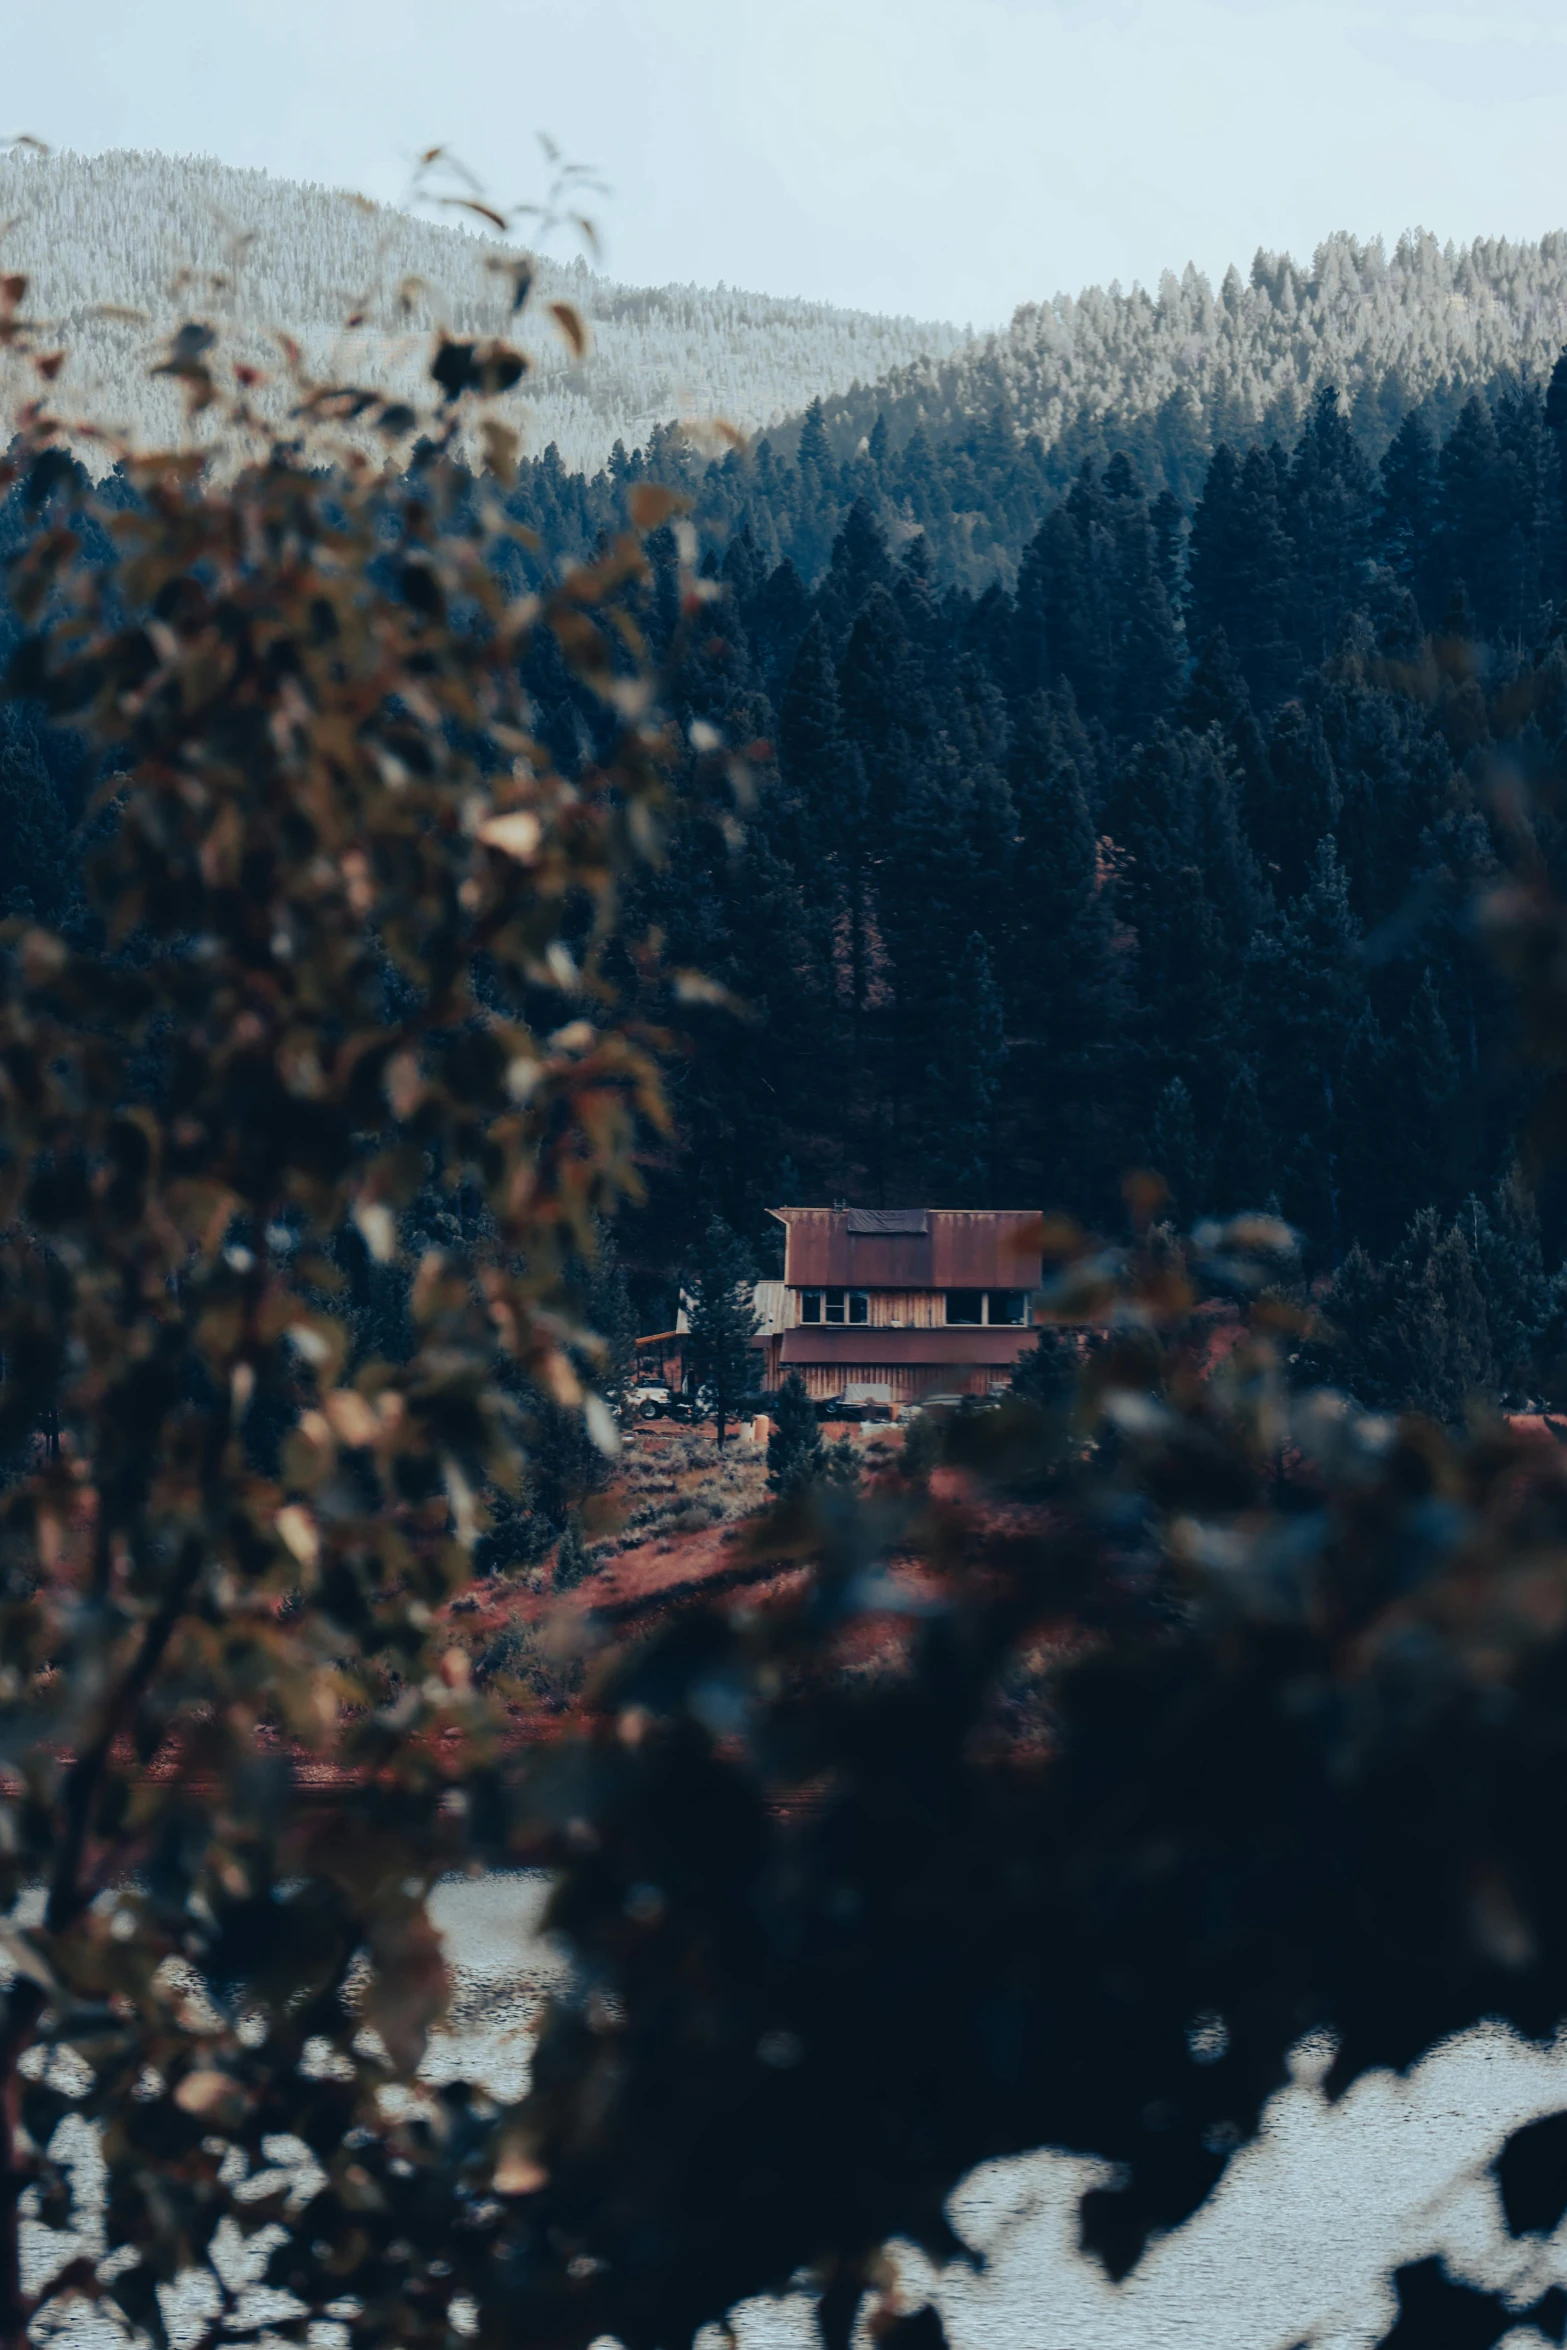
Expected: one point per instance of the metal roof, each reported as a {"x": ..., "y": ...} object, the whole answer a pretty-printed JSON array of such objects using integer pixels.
[{"x": 929, "y": 1248}]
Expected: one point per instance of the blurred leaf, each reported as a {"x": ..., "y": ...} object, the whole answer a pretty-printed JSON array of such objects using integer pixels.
[
  {"x": 650, "y": 505},
  {"x": 573, "y": 327}
]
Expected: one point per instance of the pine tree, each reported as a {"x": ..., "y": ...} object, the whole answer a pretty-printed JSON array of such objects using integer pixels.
[
  {"x": 1440, "y": 1320},
  {"x": 827, "y": 841},
  {"x": 1216, "y": 695},
  {"x": 1556, "y": 427},
  {"x": 1176, "y": 1154},
  {"x": 1060, "y": 973},
  {"x": 884, "y": 699},
  {"x": 1355, "y": 1310},
  {"x": 821, "y": 770},
  {"x": 572, "y": 1558},
  {"x": 744, "y": 570},
  {"x": 1472, "y": 493},
  {"x": 1063, "y": 611},
  {"x": 1188, "y": 888},
  {"x": 860, "y": 561},
  {"x": 1415, "y": 1333},
  {"x": 611, "y": 1314},
  {"x": 928, "y": 898},
  {"x": 1145, "y": 638},
  {"x": 795, "y": 1455},
  {"x": 1409, "y": 515},
  {"x": 1060, "y": 968},
  {"x": 1244, "y": 1170},
  {"x": 1373, "y": 1194},
  {"x": 1169, "y": 531},
  {"x": 721, "y": 1322},
  {"x": 1241, "y": 571},
  {"x": 814, "y": 455},
  {"x": 814, "y": 477},
  {"x": 1047, "y": 1374},
  {"x": 964, "y": 1077},
  {"x": 1504, "y": 1242},
  {"x": 777, "y": 619},
  {"x": 1529, "y": 515},
  {"x": 1306, "y": 993},
  {"x": 1231, "y": 881},
  {"x": 1425, "y": 1097},
  {"x": 1395, "y": 775},
  {"x": 1329, "y": 517},
  {"x": 1549, "y": 1366},
  {"x": 1303, "y": 802},
  {"x": 915, "y": 594}
]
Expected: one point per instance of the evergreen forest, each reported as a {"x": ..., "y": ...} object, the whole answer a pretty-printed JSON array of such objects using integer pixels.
[
  {"x": 1167, "y": 855},
  {"x": 1161, "y": 847}
]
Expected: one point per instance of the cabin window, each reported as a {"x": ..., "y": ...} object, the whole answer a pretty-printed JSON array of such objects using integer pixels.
[
  {"x": 965, "y": 1305},
  {"x": 1008, "y": 1305},
  {"x": 834, "y": 1305}
]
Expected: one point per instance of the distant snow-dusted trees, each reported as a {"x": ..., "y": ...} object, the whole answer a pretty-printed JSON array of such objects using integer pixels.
[
  {"x": 1166, "y": 374},
  {"x": 1173, "y": 373},
  {"x": 178, "y": 236}
]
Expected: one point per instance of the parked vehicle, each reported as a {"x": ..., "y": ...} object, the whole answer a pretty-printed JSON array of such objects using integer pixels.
[
  {"x": 653, "y": 1403},
  {"x": 937, "y": 1406}
]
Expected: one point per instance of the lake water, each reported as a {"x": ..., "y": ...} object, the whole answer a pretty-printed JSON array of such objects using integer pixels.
[{"x": 1297, "y": 2245}]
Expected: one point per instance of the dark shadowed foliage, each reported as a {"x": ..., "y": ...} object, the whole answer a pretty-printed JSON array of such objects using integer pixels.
[{"x": 1131, "y": 1729}]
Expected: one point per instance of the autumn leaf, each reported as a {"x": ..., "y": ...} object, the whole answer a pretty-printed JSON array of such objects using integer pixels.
[{"x": 573, "y": 327}]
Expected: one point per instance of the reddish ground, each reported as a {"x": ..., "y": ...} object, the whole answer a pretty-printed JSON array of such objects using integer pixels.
[{"x": 669, "y": 1567}]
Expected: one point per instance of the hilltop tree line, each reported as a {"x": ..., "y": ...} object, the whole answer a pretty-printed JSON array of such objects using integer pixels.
[
  {"x": 973, "y": 448},
  {"x": 119, "y": 248}
]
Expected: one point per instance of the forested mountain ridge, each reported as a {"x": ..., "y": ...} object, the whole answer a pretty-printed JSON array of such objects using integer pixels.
[
  {"x": 1116, "y": 805},
  {"x": 1177, "y": 371},
  {"x": 966, "y": 438},
  {"x": 973, "y": 448},
  {"x": 177, "y": 237}
]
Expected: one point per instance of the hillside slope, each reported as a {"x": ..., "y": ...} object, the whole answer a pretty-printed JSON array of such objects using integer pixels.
[
  {"x": 971, "y": 449},
  {"x": 1172, "y": 373},
  {"x": 175, "y": 237}
]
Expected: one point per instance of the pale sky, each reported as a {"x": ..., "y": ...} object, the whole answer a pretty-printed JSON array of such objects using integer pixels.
[{"x": 947, "y": 158}]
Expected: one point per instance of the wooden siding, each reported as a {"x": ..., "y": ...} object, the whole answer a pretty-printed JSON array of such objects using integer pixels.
[
  {"x": 906, "y": 1382},
  {"x": 888, "y": 1309}
]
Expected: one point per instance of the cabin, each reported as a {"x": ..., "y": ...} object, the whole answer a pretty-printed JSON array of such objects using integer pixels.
[{"x": 889, "y": 1305}]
